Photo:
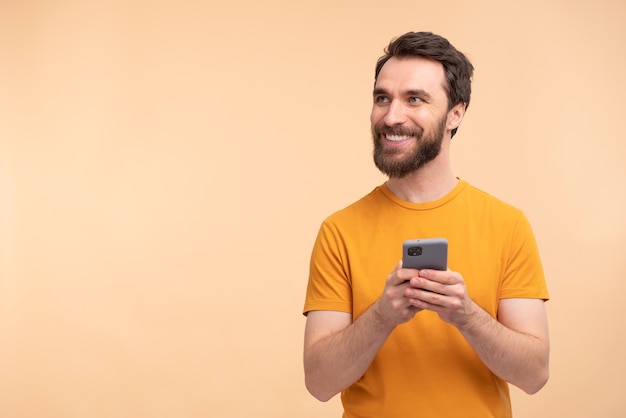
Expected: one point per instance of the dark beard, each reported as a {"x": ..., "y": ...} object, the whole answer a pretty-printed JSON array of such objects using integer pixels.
[{"x": 389, "y": 160}]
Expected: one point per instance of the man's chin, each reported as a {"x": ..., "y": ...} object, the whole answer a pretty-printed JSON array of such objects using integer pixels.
[{"x": 392, "y": 168}]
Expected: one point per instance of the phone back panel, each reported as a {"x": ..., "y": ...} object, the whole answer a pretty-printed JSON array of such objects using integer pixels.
[{"x": 429, "y": 253}]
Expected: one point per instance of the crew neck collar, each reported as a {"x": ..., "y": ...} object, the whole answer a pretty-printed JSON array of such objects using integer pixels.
[{"x": 426, "y": 205}]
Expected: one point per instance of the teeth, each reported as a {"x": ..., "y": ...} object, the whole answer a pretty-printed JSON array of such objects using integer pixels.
[{"x": 397, "y": 138}]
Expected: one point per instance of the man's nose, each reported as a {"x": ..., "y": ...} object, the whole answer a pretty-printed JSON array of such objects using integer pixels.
[{"x": 396, "y": 114}]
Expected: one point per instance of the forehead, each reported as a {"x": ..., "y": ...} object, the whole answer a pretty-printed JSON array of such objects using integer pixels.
[{"x": 412, "y": 73}]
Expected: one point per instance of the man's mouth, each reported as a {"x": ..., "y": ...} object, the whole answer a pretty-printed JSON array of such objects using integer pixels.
[{"x": 397, "y": 138}]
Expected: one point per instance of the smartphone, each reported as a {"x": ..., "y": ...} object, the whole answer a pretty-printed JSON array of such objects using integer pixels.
[{"x": 429, "y": 253}]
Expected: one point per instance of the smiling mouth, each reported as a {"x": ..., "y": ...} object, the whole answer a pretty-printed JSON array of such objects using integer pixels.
[{"x": 397, "y": 138}]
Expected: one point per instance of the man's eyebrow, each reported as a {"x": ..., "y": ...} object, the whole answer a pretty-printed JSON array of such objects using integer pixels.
[
  {"x": 412, "y": 92},
  {"x": 417, "y": 92}
]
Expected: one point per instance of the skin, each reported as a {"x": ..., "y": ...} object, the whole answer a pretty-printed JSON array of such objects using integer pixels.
[{"x": 410, "y": 93}]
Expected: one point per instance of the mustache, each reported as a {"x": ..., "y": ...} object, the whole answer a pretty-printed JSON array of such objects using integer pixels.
[{"x": 383, "y": 129}]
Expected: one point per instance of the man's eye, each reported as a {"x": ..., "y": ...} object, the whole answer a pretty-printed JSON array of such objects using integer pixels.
[
  {"x": 415, "y": 100},
  {"x": 381, "y": 99}
]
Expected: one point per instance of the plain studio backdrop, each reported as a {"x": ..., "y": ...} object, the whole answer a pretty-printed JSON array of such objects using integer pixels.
[{"x": 165, "y": 166}]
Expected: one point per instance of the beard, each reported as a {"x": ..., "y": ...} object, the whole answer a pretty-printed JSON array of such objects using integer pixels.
[{"x": 392, "y": 162}]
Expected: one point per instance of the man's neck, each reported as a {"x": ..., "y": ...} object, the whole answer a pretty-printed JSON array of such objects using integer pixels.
[{"x": 426, "y": 184}]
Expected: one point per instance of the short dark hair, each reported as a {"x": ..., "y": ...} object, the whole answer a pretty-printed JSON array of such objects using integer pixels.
[{"x": 458, "y": 69}]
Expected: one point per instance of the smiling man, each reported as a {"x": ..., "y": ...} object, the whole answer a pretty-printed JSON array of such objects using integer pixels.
[{"x": 399, "y": 342}]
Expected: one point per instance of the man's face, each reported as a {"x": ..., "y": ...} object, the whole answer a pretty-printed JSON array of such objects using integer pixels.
[{"x": 409, "y": 115}]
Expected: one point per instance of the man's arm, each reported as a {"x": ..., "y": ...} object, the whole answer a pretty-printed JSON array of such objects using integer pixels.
[
  {"x": 515, "y": 346},
  {"x": 338, "y": 351}
]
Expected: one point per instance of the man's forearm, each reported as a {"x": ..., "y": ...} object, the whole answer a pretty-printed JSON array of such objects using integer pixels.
[
  {"x": 519, "y": 358},
  {"x": 334, "y": 362}
]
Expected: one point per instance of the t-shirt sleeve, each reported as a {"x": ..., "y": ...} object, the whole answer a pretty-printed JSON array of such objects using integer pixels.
[
  {"x": 329, "y": 286},
  {"x": 524, "y": 276}
]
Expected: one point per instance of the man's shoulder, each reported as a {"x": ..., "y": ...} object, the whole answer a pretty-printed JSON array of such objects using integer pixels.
[
  {"x": 479, "y": 196},
  {"x": 364, "y": 206}
]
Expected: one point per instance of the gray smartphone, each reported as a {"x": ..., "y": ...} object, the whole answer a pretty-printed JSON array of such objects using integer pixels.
[{"x": 428, "y": 253}]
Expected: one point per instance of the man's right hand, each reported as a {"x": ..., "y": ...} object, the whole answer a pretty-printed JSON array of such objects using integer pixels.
[{"x": 393, "y": 306}]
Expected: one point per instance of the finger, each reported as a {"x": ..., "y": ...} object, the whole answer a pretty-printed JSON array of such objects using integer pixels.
[
  {"x": 425, "y": 299},
  {"x": 431, "y": 283},
  {"x": 401, "y": 275},
  {"x": 445, "y": 277}
]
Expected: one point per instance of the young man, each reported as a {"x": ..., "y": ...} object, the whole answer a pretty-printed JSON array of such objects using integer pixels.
[{"x": 399, "y": 342}]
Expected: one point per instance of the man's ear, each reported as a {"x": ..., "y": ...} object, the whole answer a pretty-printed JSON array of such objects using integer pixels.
[{"x": 455, "y": 116}]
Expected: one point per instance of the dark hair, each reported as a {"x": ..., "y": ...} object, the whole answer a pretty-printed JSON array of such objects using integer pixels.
[{"x": 457, "y": 68}]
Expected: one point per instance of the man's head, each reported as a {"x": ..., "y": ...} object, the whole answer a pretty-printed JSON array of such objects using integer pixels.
[
  {"x": 457, "y": 67},
  {"x": 421, "y": 91}
]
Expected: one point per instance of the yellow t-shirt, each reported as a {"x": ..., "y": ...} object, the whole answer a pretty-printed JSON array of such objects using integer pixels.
[{"x": 425, "y": 368}]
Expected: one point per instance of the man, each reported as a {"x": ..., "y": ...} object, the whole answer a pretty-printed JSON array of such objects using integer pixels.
[{"x": 399, "y": 342}]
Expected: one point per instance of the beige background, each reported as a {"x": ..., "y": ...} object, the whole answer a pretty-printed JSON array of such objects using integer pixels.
[{"x": 164, "y": 167}]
